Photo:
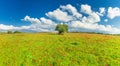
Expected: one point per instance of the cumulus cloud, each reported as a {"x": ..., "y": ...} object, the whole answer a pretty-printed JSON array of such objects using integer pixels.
[
  {"x": 13, "y": 28},
  {"x": 59, "y": 15},
  {"x": 89, "y": 27},
  {"x": 6, "y": 27},
  {"x": 71, "y": 9},
  {"x": 93, "y": 17},
  {"x": 32, "y": 20},
  {"x": 90, "y": 23},
  {"x": 75, "y": 19},
  {"x": 86, "y": 9},
  {"x": 113, "y": 12},
  {"x": 102, "y": 10},
  {"x": 47, "y": 21},
  {"x": 41, "y": 24}
]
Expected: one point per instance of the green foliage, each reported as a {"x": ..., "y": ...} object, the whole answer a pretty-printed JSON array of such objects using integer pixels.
[
  {"x": 9, "y": 32},
  {"x": 17, "y": 32},
  {"x": 61, "y": 28}
]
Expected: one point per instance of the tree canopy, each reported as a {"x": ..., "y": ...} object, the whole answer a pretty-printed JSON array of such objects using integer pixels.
[{"x": 61, "y": 28}]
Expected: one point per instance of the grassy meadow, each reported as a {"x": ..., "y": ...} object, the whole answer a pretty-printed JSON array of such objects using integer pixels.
[{"x": 49, "y": 49}]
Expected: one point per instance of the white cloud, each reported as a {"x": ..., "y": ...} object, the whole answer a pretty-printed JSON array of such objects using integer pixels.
[
  {"x": 78, "y": 24},
  {"x": 41, "y": 24},
  {"x": 46, "y": 21},
  {"x": 89, "y": 27},
  {"x": 90, "y": 23},
  {"x": 32, "y": 20},
  {"x": 102, "y": 10},
  {"x": 113, "y": 12},
  {"x": 72, "y": 10},
  {"x": 59, "y": 15},
  {"x": 106, "y": 20},
  {"x": 13, "y": 28},
  {"x": 86, "y": 9},
  {"x": 93, "y": 17},
  {"x": 6, "y": 27}
]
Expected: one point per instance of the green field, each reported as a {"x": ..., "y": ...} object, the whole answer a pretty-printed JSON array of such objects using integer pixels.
[{"x": 49, "y": 49}]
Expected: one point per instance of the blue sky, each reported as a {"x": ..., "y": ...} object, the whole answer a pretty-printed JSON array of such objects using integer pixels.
[{"x": 22, "y": 15}]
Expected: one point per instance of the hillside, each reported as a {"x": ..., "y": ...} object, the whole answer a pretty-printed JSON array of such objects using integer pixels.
[{"x": 49, "y": 49}]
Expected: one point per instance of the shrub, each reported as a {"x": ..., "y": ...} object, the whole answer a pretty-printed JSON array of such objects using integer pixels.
[
  {"x": 17, "y": 32},
  {"x": 9, "y": 32}
]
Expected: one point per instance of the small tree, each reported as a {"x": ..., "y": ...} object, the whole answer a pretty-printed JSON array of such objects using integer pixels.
[
  {"x": 9, "y": 32},
  {"x": 17, "y": 32},
  {"x": 61, "y": 28}
]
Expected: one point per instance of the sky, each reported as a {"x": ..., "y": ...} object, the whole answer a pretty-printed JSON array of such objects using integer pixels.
[{"x": 43, "y": 15}]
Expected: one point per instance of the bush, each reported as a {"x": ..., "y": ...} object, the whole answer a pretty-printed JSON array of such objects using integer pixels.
[
  {"x": 9, "y": 32},
  {"x": 17, "y": 32}
]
